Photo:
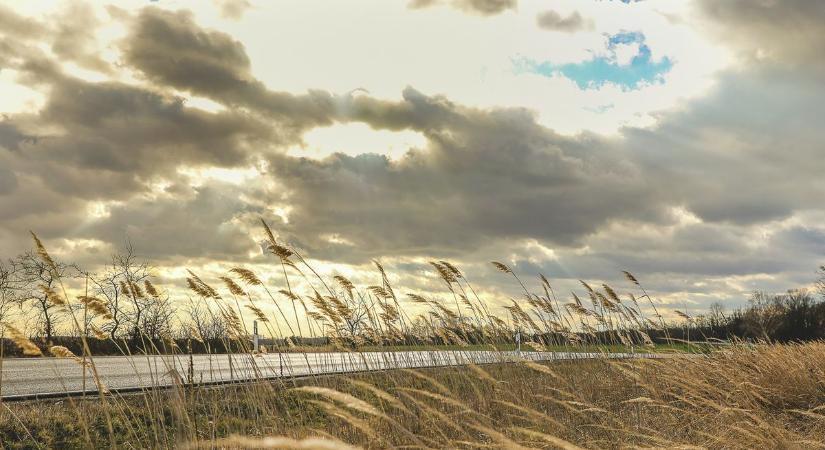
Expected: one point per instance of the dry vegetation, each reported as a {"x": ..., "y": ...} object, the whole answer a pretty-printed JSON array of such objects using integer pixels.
[
  {"x": 767, "y": 397},
  {"x": 741, "y": 396}
]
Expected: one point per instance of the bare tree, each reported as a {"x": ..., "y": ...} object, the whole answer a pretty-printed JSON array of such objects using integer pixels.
[
  {"x": 203, "y": 322},
  {"x": 120, "y": 287},
  {"x": 716, "y": 315},
  {"x": 157, "y": 317},
  {"x": 764, "y": 315},
  {"x": 354, "y": 322},
  {"x": 33, "y": 279},
  {"x": 8, "y": 286}
]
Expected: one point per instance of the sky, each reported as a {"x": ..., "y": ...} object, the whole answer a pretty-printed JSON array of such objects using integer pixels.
[{"x": 679, "y": 140}]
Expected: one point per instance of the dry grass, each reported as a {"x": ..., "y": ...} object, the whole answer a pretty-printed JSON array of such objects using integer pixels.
[
  {"x": 741, "y": 397},
  {"x": 770, "y": 396}
]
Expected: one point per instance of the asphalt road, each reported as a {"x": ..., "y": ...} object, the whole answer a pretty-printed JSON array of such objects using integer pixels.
[{"x": 28, "y": 377}]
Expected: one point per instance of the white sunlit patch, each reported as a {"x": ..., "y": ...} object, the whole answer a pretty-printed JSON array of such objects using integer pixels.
[
  {"x": 16, "y": 97},
  {"x": 75, "y": 246},
  {"x": 337, "y": 239},
  {"x": 535, "y": 253},
  {"x": 203, "y": 103},
  {"x": 282, "y": 212},
  {"x": 82, "y": 73},
  {"x": 746, "y": 283},
  {"x": 759, "y": 236},
  {"x": 234, "y": 176},
  {"x": 684, "y": 217},
  {"x": 357, "y": 138},
  {"x": 98, "y": 210},
  {"x": 582, "y": 251}
]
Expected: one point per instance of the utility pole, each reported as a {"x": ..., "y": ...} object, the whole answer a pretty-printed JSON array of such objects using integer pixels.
[
  {"x": 255, "y": 346},
  {"x": 85, "y": 333}
]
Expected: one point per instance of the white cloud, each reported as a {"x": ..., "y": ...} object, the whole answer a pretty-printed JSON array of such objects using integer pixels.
[{"x": 357, "y": 138}]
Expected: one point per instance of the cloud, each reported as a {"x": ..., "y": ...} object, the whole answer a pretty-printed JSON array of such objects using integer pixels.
[
  {"x": 551, "y": 20},
  {"x": 170, "y": 49},
  {"x": 482, "y": 7},
  {"x": 19, "y": 26},
  {"x": 118, "y": 128},
  {"x": 486, "y": 174},
  {"x": 199, "y": 222},
  {"x": 232, "y": 9},
  {"x": 70, "y": 33},
  {"x": 10, "y": 136},
  {"x": 74, "y": 37},
  {"x": 745, "y": 153},
  {"x": 106, "y": 142},
  {"x": 788, "y": 31},
  {"x": 742, "y": 164},
  {"x": 8, "y": 181}
]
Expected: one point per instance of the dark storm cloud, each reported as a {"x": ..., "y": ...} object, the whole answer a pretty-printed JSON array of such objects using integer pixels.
[
  {"x": 10, "y": 136},
  {"x": 121, "y": 128},
  {"x": 551, "y": 20},
  {"x": 74, "y": 36},
  {"x": 748, "y": 152},
  {"x": 8, "y": 180},
  {"x": 65, "y": 172},
  {"x": 18, "y": 37},
  {"x": 787, "y": 31},
  {"x": 746, "y": 155},
  {"x": 103, "y": 141},
  {"x": 485, "y": 174},
  {"x": 107, "y": 140},
  {"x": 496, "y": 174},
  {"x": 483, "y": 7},
  {"x": 170, "y": 49},
  {"x": 32, "y": 205},
  {"x": 693, "y": 251},
  {"x": 70, "y": 34},
  {"x": 14, "y": 24},
  {"x": 192, "y": 222}
]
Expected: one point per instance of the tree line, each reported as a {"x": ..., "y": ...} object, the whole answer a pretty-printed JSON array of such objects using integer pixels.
[
  {"x": 796, "y": 315},
  {"x": 135, "y": 311},
  {"x": 132, "y": 307}
]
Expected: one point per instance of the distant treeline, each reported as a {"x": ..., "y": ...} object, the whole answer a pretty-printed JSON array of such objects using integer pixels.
[
  {"x": 795, "y": 316},
  {"x": 127, "y": 346}
]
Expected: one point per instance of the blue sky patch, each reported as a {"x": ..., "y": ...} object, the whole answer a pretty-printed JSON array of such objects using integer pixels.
[{"x": 606, "y": 69}]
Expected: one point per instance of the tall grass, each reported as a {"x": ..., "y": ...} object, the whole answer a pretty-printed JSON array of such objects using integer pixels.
[{"x": 740, "y": 396}]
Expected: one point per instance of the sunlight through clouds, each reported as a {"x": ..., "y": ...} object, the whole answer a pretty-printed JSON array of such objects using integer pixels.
[
  {"x": 357, "y": 138},
  {"x": 577, "y": 138}
]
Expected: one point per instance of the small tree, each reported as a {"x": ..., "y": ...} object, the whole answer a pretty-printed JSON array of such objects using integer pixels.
[
  {"x": 158, "y": 314},
  {"x": 120, "y": 286},
  {"x": 202, "y": 323},
  {"x": 7, "y": 291},
  {"x": 763, "y": 317},
  {"x": 33, "y": 279},
  {"x": 820, "y": 281}
]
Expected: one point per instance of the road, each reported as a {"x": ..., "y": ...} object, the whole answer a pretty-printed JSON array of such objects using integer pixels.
[{"x": 50, "y": 377}]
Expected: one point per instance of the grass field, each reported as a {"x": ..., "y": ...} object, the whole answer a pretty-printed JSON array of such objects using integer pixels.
[
  {"x": 768, "y": 396},
  {"x": 738, "y": 396}
]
